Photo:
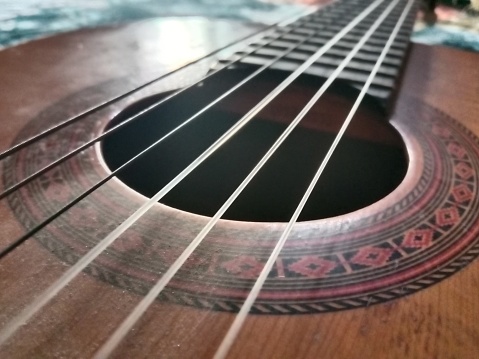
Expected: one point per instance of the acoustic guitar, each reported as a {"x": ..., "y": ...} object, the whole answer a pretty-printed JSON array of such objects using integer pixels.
[{"x": 195, "y": 188}]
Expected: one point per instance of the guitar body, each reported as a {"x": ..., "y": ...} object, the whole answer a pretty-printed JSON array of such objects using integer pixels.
[{"x": 424, "y": 306}]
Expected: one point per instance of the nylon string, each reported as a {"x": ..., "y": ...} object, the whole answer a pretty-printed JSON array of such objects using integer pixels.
[
  {"x": 117, "y": 127},
  {"x": 71, "y": 120},
  {"x": 62, "y": 210}
]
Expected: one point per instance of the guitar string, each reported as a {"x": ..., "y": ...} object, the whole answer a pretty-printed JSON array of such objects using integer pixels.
[
  {"x": 131, "y": 119},
  {"x": 81, "y": 264},
  {"x": 124, "y": 328},
  {"x": 84, "y": 114},
  {"x": 14, "y": 244},
  {"x": 237, "y": 324},
  {"x": 28, "y": 235}
]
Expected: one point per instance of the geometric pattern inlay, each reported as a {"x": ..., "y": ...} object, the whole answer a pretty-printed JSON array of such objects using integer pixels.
[
  {"x": 312, "y": 266},
  {"x": 428, "y": 234},
  {"x": 419, "y": 238}
]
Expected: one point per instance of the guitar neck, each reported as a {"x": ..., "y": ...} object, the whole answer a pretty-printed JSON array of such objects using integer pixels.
[{"x": 308, "y": 34}]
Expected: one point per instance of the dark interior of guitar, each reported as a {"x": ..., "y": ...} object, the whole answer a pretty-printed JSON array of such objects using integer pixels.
[{"x": 368, "y": 164}]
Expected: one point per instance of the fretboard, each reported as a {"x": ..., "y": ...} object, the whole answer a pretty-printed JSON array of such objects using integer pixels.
[{"x": 315, "y": 30}]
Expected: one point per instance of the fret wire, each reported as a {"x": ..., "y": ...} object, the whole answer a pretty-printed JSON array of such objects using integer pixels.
[
  {"x": 38, "y": 227},
  {"x": 149, "y": 298},
  {"x": 83, "y": 262},
  {"x": 237, "y": 324},
  {"x": 129, "y": 120},
  {"x": 82, "y": 115}
]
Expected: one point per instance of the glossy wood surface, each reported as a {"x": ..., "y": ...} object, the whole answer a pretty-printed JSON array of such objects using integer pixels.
[{"x": 438, "y": 322}]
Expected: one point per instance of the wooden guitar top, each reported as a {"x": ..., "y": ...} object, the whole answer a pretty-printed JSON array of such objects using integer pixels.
[{"x": 439, "y": 321}]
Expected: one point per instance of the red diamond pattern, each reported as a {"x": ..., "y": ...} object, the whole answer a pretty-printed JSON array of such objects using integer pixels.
[
  {"x": 447, "y": 216},
  {"x": 456, "y": 150},
  {"x": 464, "y": 170},
  {"x": 372, "y": 256},
  {"x": 418, "y": 238},
  {"x": 462, "y": 193},
  {"x": 441, "y": 131},
  {"x": 312, "y": 266},
  {"x": 243, "y": 266}
]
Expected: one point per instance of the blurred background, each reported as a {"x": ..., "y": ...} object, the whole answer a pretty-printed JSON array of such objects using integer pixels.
[{"x": 23, "y": 20}]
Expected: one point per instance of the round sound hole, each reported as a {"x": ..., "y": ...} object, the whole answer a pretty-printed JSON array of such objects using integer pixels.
[{"x": 368, "y": 164}]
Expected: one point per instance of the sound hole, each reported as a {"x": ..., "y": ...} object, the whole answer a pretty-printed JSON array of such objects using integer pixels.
[{"x": 368, "y": 164}]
